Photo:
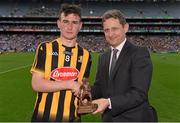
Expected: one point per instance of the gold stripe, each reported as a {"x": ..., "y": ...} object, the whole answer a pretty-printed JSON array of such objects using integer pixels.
[
  {"x": 36, "y": 101},
  {"x": 54, "y": 106},
  {"x": 76, "y": 105},
  {"x": 42, "y": 104},
  {"x": 35, "y": 58},
  {"x": 83, "y": 65},
  {"x": 48, "y": 60},
  {"x": 68, "y": 96},
  {"x": 82, "y": 71},
  {"x": 37, "y": 71},
  {"x": 47, "y": 76}
]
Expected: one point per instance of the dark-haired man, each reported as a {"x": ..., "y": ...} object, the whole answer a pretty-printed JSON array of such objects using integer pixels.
[{"x": 58, "y": 70}]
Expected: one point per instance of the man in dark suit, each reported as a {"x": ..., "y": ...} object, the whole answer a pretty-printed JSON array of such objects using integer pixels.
[{"x": 124, "y": 75}]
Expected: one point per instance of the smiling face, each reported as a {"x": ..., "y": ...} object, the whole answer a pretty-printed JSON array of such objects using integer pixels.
[
  {"x": 114, "y": 31},
  {"x": 70, "y": 25}
]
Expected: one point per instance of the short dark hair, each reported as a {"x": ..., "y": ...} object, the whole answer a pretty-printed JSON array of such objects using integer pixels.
[
  {"x": 114, "y": 13},
  {"x": 70, "y": 9}
]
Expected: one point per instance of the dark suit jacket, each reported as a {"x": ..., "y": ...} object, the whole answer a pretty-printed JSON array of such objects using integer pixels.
[{"x": 128, "y": 86}]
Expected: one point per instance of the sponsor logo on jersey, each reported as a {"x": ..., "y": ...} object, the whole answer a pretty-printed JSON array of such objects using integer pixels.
[
  {"x": 53, "y": 54},
  {"x": 64, "y": 73}
]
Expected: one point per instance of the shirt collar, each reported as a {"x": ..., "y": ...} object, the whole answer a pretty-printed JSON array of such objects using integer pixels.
[{"x": 120, "y": 46}]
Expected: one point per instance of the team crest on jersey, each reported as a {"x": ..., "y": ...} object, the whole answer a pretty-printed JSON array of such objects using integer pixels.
[
  {"x": 41, "y": 48},
  {"x": 64, "y": 73},
  {"x": 80, "y": 59}
]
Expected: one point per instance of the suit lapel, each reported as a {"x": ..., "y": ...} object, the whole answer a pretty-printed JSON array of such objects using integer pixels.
[
  {"x": 120, "y": 58},
  {"x": 109, "y": 86}
]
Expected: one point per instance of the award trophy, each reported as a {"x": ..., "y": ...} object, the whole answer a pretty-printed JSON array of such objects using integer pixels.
[{"x": 85, "y": 99}]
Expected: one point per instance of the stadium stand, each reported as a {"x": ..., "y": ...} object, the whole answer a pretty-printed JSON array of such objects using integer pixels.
[
  {"x": 91, "y": 8},
  {"x": 154, "y": 24}
]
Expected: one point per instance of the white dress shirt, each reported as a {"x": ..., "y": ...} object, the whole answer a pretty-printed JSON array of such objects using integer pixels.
[{"x": 119, "y": 47}]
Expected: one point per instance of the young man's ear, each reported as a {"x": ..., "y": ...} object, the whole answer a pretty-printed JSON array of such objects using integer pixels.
[
  {"x": 58, "y": 24},
  {"x": 81, "y": 23}
]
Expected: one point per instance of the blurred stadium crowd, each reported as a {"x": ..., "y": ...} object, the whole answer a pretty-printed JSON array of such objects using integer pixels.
[
  {"x": 94, "y": 43},
  {"x": 153, "y": 24}
]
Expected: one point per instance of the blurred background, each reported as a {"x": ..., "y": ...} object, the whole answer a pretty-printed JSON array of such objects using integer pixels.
[{"x": 154, "y": 24}]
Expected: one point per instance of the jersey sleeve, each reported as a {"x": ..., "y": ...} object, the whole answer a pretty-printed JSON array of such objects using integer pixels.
[{"x": 39, "y": 60}]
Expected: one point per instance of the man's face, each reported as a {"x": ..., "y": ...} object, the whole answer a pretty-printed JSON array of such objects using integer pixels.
[
  {"x": 114, "y": 31},
  {"x": 69, "y": 25}
]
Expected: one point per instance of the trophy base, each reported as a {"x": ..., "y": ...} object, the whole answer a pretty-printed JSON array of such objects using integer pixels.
[{"x": 83, "y": 109}]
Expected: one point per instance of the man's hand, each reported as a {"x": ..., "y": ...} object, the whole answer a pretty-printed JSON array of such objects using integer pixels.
[
  {"x": 102, "y": 105},
  {"x": 75, "y": 87}
]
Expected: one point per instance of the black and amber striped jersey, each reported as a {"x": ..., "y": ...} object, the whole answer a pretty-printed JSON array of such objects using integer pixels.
[{"x": 61, "y": 105}]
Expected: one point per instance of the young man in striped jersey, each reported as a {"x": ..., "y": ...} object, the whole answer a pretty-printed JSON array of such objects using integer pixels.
[{"x": 58, "y": 69}]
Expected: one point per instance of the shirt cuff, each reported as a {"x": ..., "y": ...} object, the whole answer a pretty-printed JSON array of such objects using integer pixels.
[{"x": 110, "y": 107}]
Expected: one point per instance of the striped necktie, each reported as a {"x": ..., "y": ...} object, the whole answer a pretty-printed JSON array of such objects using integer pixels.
[{"x": 113, "y": 61}]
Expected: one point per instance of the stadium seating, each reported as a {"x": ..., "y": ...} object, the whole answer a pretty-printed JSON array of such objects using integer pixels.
[{"x": 24, "y": 24}]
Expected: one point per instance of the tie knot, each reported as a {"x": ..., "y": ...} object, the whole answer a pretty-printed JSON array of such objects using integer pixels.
[
  {"x": 115, "y": 54},
  {"x": 115, "y": 51},
  {"x": 113, "y": 61}
]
